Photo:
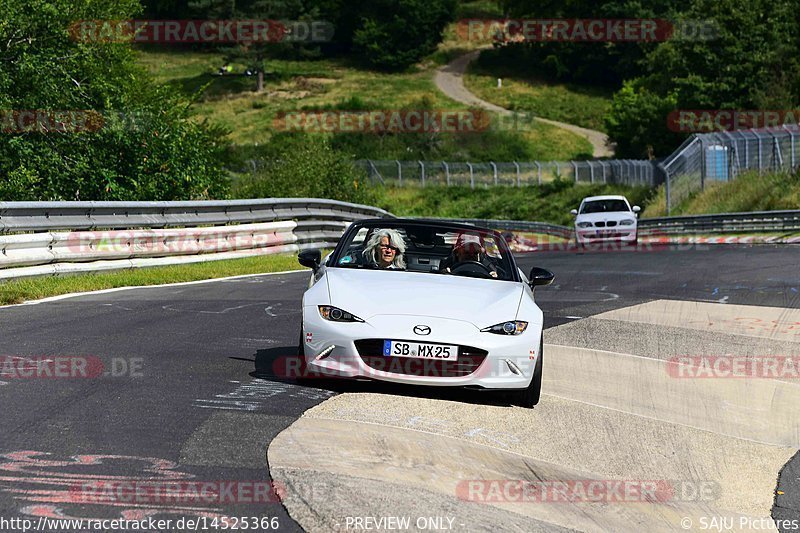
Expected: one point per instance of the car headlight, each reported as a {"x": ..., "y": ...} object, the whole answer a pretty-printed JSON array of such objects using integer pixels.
[
  {"x": 626, "y": 222},
  {"x": 334, "y": 314},
  {"x": 507, "y": 328},
  {"x": 584, "y": 224}
]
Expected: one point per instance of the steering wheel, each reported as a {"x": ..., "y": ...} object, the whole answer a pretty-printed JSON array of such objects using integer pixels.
[{"x": 474, "y": 269}]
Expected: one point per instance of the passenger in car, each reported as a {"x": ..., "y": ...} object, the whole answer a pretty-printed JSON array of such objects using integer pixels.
[
  {"x": 468, "y": 248},
  {"x": 385, "y": 249}
]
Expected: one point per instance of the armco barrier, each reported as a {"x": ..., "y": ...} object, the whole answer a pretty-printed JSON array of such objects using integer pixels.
[
  {"x": 103, "y": 236},
  {"x": 121, "y": 235},
  {"x": 756, "y": 222},
  {"x": 725, "y": 223}
]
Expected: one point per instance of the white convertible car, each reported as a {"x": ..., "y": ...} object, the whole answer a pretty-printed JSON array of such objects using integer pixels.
[{"x": 424, "y": 303}]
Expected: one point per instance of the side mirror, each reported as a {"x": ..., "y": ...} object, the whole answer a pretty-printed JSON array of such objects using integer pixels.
[
  {"x": 540, "y": 277},
  {"x": 574, "y": 212},
  {"x": 637, "y": 209},
  {"x": 310, "y": 258}
]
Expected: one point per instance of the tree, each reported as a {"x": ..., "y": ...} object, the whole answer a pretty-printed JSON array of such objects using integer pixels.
[
  {"x": 140, "y": 142},
  {"x": 598, "y": 63},
  {"x": 395, "y": 34},
  {"x": 306, "y": 166},
  {"x": 751, "y": 64}
]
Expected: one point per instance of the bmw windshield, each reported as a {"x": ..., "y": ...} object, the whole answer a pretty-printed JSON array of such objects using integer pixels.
[{"x": 604, "y": 206}]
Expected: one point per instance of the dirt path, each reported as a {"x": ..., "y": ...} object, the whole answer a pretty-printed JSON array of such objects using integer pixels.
[{"x": 450, "y": 80}]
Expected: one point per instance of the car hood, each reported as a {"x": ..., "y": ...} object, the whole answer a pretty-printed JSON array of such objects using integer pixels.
[
  {"x": 367, "y": 293},
  {"x": 601, "y": 217}
]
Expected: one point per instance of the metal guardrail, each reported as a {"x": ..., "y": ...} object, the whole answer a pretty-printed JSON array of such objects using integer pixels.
[
  {"x": 117, "y": 235},
  {"x": 47, "y": 216},
  {"x": 754, "y": 222},
  {"x": 724, "y": 223},
  {"x": 121, "y": 235}
]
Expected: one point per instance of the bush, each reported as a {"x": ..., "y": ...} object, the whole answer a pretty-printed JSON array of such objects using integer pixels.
[
  {"x": 389, "y": 34},
  {"x": 144, "y": 146},
  {"x": 637, "y": 122},
  {"x": 306, "y": 166}
]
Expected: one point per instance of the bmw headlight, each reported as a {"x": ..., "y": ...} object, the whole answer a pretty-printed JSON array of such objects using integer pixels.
[
  {"x": 626, "y": 222},
  {"x": 584, "y": 224},
  {"x": 334, "y": 314},
  {"x": 507, "y": 328}
]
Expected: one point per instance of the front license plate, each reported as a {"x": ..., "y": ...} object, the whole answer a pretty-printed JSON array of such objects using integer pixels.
[{"x": 420, "y": 350}]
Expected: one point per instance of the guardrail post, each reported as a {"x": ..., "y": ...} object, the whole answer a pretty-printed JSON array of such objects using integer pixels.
[
  {"x": 518, "y": 178},
  {"x": 575, "y": 169},
  {"x": 422, "y": 171},
  {"x": 494, "y": 171},
  {"x": 539, "y": 171},
  {"x": 471, "y": 176},
  {"x": 399, "y": 172},
  {"x": 446, "y": 172}
]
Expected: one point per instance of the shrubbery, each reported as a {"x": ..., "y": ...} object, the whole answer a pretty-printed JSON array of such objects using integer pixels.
[
  {"x": 146, "y": 147},
  {"x": 305, "y": 166}
]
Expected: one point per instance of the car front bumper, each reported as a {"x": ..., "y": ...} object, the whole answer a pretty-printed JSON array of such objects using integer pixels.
[
  {"x": 486, "y": 360},
  {"x": 617, "y": 234}
]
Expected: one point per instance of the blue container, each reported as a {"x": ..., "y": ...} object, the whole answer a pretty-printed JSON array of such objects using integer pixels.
[{"x": 717, "y": 163}]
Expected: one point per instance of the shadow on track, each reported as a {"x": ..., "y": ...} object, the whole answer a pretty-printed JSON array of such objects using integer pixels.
[{"x": 270, "y": 365}]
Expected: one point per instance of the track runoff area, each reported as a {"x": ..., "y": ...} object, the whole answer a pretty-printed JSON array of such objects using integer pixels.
[{"x": 670, "y": 403}]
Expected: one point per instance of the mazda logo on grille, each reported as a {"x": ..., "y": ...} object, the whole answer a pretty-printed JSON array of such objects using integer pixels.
[{"x": 422, "y": 330}]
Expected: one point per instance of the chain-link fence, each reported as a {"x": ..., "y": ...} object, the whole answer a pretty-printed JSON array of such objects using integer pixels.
[
  {"x": 701, "y": 161},
  {"x": 423, "y": 173},
  {"x": 712, "y": 158}
]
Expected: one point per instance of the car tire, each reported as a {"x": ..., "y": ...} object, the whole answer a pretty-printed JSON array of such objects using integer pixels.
[
  {"x": 530, "y": 396},
  {"x": 302, "y": 376}
]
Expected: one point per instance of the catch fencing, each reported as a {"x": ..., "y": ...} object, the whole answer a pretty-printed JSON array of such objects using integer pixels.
[
  {"x": 515, "y": 174},
  {"x": 709, "y": 159},
  {"x": 703, "y": 160}
]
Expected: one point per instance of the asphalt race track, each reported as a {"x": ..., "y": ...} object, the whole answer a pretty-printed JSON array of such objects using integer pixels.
[{"x": 170, "y": 390}]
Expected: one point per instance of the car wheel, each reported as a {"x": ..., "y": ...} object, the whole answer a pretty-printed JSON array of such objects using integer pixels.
[
  {"x": 302, "y": 372},
  {"x": 529, "y": 397}
]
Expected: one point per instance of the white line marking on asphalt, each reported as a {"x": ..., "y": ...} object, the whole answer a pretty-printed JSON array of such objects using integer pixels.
[
  {"x": 574, "y": 317},
  {"x": 119, "y": 289},
  {"x": 224, "y": 311}
]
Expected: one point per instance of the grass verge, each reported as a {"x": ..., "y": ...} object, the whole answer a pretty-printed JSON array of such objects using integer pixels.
[
  {"x": 230, "y": 101},
  {"x": 18, "y": 291},
  {"x": 550, "y": 202},
  {"x": 524, "y": 91},
  {"x": 748, "y": 192}
]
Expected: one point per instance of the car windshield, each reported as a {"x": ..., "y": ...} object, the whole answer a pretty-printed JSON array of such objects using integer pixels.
[
  {"x": 604, "y": 206},
  {"x": 425, "y": 249}
]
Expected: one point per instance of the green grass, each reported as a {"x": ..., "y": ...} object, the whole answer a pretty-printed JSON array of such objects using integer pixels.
[
  {"x": 748, "y": 192},
  {"x": 308, "y": 85},
  {"x": 18, "y": 291},
  {"x": 524, "y": 92},
  {"x": 550, "y": 202}
]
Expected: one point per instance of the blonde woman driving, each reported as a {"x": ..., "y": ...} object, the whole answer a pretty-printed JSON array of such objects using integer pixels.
[{"x": 385, "y": 249}]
